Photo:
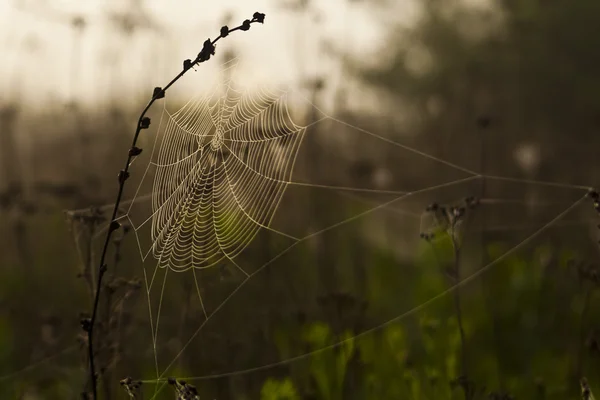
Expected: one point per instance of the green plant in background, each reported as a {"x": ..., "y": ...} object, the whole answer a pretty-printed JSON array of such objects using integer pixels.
[
  {"x": 420, "y": 357},
  {"x": 328, "y": 368},
  {"x": 386, "y": 358},
  {"x": 325, "y": 369},
  {"x": 274, "y": 389},
  {"x": 441, "y": 345}
]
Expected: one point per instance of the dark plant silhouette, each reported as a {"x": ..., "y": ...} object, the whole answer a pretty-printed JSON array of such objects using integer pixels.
[
  {"x": 183, "y": 390},
  {"x": 208, "y": 50},
  {"x": 448, "y": 220}
]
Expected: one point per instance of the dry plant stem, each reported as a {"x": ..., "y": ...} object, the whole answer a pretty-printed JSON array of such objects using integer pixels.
[
  {"x": 456, "y": 249},
  {"x": 158, "y": 94},
  {"x": 114, "y": 343},
  {"x": 454, "y": 275},
  {"x": 87, "y": 273}
]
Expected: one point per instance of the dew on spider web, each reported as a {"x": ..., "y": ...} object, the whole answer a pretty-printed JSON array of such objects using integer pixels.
[{"x": 229, "y": 256}]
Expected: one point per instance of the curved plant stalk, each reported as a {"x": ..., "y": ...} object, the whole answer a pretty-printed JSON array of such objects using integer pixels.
[{"x": 207, "y": 51}]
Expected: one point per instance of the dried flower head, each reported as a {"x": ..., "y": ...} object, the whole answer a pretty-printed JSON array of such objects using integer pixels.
[
  {"x": 259, "y": 17},
  {"x": 208, "y": 49},
  {"x": 246, "y": 25}
]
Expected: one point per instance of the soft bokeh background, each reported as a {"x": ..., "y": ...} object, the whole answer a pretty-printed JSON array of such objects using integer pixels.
[{"x": 360, "y": 308}]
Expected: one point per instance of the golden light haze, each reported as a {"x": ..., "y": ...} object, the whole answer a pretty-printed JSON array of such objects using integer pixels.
[{"x": 52, "y": 56}]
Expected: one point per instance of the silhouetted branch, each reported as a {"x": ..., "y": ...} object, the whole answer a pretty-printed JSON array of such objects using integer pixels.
[{"x": 207, "y": 51}]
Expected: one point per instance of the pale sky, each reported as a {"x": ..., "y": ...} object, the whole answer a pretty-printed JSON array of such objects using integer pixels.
[{"x": 40, "y": 43}]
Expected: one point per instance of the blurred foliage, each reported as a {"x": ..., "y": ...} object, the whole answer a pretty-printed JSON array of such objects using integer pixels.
[
  {"x": 524, "y": 355},
  {"x": 523, "y": 69},
  {"x": 279, "y": 390}
]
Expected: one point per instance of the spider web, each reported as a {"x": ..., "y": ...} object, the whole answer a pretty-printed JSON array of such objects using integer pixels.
[
  {"x": 224, "y": 163},
  {"x": 222, "y": 167}
]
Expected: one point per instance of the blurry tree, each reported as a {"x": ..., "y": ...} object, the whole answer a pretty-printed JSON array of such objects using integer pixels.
[{"x": 523, "y": 69}]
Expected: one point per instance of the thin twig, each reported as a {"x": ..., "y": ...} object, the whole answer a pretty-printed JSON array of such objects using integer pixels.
[
  {"x": 143, "y": 123},
  {"x": 450, "y": 221},
  {"x": 456, "y": 251}
]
